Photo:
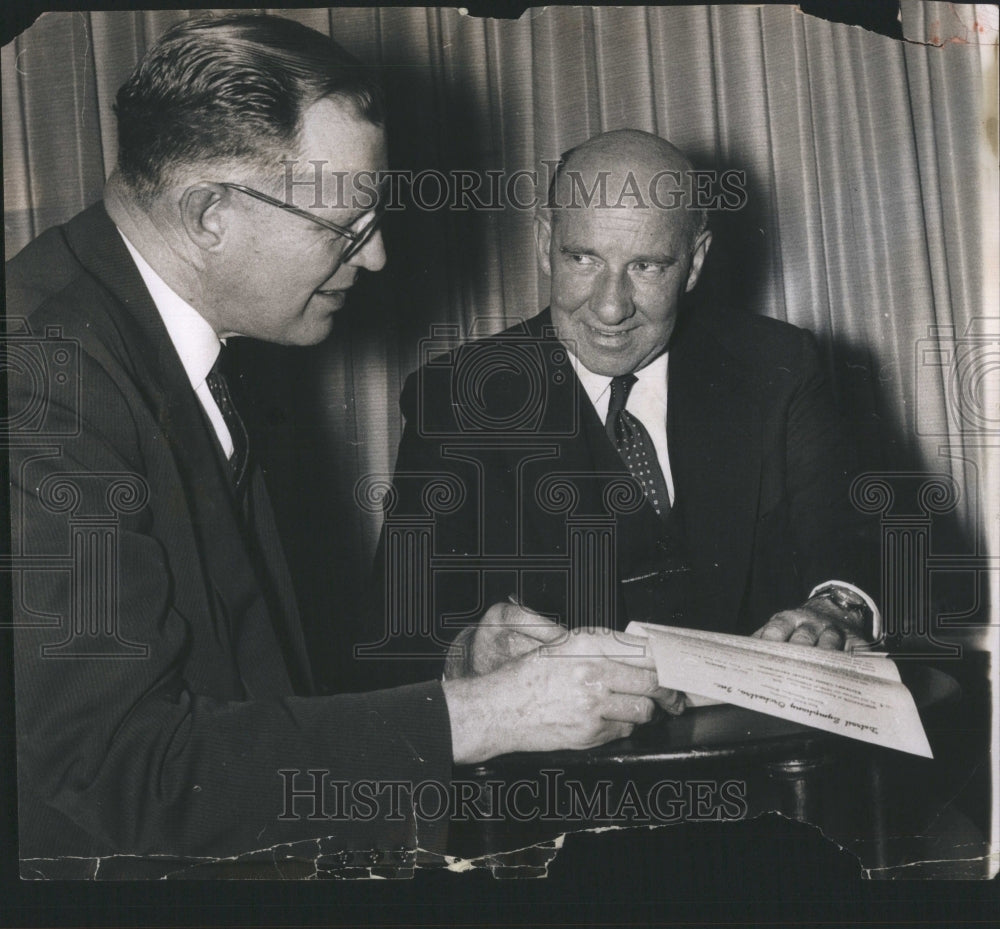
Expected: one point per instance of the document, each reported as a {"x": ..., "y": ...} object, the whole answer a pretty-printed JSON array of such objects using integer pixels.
[{"x": 858, "y": 696}]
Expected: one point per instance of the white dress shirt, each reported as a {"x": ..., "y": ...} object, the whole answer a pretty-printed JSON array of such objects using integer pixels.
[
  {"x": 647, "y": 402},
  {"x": 194, "y": 339}
]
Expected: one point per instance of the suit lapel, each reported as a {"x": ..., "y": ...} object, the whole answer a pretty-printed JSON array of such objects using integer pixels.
[
  {"x": 158, "y": 371},
  {"x": 588, "y": 453},
  {"x": 584, "y": 448},
  {"x": 714, "y": 438},
  {"x": 714, "y": 441}
]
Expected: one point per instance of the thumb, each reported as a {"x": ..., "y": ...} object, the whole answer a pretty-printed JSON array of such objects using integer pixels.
[{"x": 531, "y": 624}]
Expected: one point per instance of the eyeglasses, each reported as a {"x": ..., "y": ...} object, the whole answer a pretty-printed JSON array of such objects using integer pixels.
[{"x": 364, "y": 226}]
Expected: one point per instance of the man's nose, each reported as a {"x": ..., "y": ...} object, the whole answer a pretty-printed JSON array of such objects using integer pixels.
[
  {"x": 371, "y": 255},
  {"x": 612, "y": 303}
]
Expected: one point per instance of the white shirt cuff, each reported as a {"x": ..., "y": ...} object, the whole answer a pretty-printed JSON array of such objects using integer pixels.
[{"x": 876, "y": 613}]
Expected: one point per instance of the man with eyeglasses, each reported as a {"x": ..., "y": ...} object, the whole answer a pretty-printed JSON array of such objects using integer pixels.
[{"x": 164, "y": 698}]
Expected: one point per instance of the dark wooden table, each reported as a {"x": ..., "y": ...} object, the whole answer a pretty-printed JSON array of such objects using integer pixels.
[{"x": 711, "y": 763}]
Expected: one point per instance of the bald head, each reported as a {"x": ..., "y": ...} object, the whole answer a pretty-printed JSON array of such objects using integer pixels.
[
  {"x": 627, "y": 149},
  {"x": 628, "y": 168}
]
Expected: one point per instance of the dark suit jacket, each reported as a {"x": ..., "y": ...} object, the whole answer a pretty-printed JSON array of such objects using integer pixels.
[
  {"x": 174, "y": 747},
  {"x": 760, "y": 461}
]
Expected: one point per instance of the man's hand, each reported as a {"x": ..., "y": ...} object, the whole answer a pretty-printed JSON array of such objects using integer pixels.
[
  {"x": 585, "y": 689},
  {"x": 817, "y": 622},
  {"x": 507, "y": 631},
  {"x": 504, "y": 632}
]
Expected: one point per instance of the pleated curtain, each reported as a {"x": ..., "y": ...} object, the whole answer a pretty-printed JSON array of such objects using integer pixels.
[{"x": 869, "y": 218}]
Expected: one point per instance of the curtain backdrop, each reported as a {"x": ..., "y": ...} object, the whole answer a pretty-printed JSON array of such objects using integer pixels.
[{"x": 866, "y": 220}]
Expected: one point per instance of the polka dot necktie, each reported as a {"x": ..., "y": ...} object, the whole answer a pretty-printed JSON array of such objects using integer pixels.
[
  {"x": 635, "y": 446},
  {"x": 218, "y": 385}
]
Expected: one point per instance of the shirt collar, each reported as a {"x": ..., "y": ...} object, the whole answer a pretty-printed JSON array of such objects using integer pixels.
[
  {"x": 651, "y": 380},
  {"x": 193, "y": 338}
]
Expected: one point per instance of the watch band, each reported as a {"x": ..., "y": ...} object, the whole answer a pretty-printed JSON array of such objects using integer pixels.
[{"x": 852, "y": 604}]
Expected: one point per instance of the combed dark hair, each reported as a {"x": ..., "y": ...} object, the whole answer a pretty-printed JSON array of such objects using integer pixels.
[{"x": 232, "y": 87}]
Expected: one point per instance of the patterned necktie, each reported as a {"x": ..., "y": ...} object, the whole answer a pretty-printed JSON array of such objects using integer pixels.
[
  {"x": 635, "y": 446},
  {"x": 219, "y": 387}
]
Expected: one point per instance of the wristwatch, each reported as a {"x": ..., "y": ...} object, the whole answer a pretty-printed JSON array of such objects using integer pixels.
[{"x": 854, "y": 606}]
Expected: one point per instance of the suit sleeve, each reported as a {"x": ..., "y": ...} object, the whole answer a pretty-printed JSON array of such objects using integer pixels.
[
  {"x": 126, "y": 753},
  {"x": 832, "y": 538}
]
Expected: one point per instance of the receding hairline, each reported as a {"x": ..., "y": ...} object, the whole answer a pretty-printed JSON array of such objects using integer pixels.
[
  {"x": 631, "y": 147},
  {"x": 624, "y": 154}
]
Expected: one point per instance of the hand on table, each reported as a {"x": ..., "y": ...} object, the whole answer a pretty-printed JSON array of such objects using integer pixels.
[
  {"x": 532, "y": 685},
  {"x": 509, "y": 630},
  {"x": 818, "y": 622}
]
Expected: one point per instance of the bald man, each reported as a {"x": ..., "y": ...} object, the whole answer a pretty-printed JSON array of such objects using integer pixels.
[{"x": 621, "y": 458}]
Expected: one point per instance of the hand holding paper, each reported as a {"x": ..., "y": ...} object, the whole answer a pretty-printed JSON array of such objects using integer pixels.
[{"x": 859, "y": 696}]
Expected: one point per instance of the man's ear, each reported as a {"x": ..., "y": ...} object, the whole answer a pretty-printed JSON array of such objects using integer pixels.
[
  {"x": 543, "y": 238},
  {"x": 701, "y": 247},
  {"x": 203, "y": 214}
]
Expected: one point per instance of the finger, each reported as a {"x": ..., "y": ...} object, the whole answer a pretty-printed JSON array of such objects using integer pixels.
[
  {"x": 628, "y": 649},
  {"x": 777, "y": 629},
  {"x": 497, "y": 641},
  {"x": 516, "y": 643},
  {"x": 611, "y": 730},
  {"x": 529, "y": 623},
  {"x": 646, "y": 662},
  {"x": 805, "y": 634},
  {"x": 831, "y": 638},
  {"x": 624, "y": 679},
  {"x": 632, "y": 642},
  {"x": 605, "y": 644},
  {"x": 626, "y": 709}
]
